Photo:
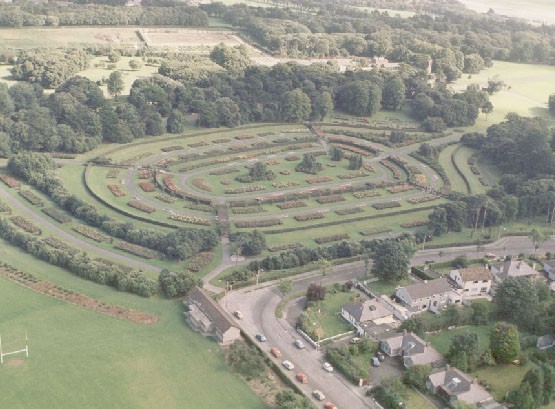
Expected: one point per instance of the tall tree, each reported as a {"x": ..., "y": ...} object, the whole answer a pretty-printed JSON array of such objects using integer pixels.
[
  {"x": 504, "y": 342},
  {"x": 391, "y": 260},
  {"x": 115, "y": 83}
]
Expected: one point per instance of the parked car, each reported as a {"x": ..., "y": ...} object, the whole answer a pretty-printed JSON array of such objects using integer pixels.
[
  {"x": 355, "y": 340},
  {"x": 302, "y": 378},
  {"x": 318, "y": 395},
  {"x": 330, "y": 405},
  {"x": 260, "y": 337},
  {"x": 380, "y": 356},
  {"x": 275, "y": 352},
  {"x": 375, "y": 361},
  {"x": 238, "y": 315},
  {"x": 430, "y": 261},
  {"x": 327, "y": 367},
  {"x": 299, "y": 344},
  {"x": 288, "y": 365},
  {"x": 491, "y": 255}
]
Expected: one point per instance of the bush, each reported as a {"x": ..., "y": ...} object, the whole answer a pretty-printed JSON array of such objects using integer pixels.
[
  {"x": 177, "y": 284},
  {"x": 342, "y": 360}
]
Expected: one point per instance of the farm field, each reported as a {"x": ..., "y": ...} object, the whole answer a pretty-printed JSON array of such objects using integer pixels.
[
  {"x": 539, "y": 11},
  {"x": 527, "y": 95},
  {"x": 96, "y": 361}
]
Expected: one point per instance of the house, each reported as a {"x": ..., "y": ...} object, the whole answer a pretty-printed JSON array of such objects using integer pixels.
[
  {"x": 472, "y": 281},
  {"x": 369, "y": 317},
  {"x": 428, "y": 295},
  {"x": 549, "y": 267},
  {"x": 513, "y": 268},
  {"x": 207, "y": 317},
  {"x": 411, "y": 348},
  {"x": 453, "y": 385},
  {"x": 545, "y": 341}
]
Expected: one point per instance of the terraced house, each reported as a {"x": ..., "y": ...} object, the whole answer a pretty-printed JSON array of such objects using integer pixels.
[{"x": 428, "y": 296}]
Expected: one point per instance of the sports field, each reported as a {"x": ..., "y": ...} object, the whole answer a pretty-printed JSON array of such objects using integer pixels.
[{"x": 80, "y": 358}]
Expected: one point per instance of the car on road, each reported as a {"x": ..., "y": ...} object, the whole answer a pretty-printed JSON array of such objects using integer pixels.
[
  {"x": 318, "y": 395},
  {"x": 327, "y": 367},
  {"x": 260, "y": 338},
  {"x": 429, "y": 261},
  {"x": 302, "y": 378},
  {"x": 238, "y": 315},
  {"x": 299, "y": 344},
  {"x": 288, "y": 365},
  {"x": 491, "y": 255},
  {"x": 330, "y": 405},
  {"x": 275, "y": 352}
]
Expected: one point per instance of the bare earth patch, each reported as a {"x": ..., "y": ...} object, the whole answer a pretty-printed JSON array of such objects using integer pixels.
[
  {"x": 82, "y": 300},
  {"x": 16, "y": 362}
]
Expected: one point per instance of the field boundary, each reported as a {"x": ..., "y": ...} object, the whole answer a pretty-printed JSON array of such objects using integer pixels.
[{"x": 456, "y": 166}]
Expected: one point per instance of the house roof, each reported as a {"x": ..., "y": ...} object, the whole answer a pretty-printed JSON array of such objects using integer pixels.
[
  {"x": 215, "y": 313},
  {"x": 454, "y": 382},
  {"x": 515, "y": 268},
  {"x": 545, "y": 341},
  {"x": 368, "y": 310},
  {"x": 428, "y": 288},
  {"x": 474, "y": 274},
  {"x": 550, "y": 263},
  {"x": 413, "y": 348}
]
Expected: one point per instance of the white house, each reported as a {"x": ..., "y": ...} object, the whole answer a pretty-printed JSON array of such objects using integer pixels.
[
  {"x": 367, "y": 315},
  {"x": 428, "y": 295},
  {"x": 472, "y": 281},
  {"x": 207, "y": 317},
  {"x": 411, "y": 348}
]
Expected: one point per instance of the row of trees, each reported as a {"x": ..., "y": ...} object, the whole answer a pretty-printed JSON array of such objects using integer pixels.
[{"x": 182, "y": 243}]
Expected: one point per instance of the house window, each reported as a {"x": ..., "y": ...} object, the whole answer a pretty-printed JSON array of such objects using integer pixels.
[
  {"x": 466, "y": 289},
  {"x": 457, "y": 301},
  {"x": 475, "y": 282},
  {"x": 484, "y": 290},
  {"x": 485, "y": 281},
  {"x": 424, "y": 307}
]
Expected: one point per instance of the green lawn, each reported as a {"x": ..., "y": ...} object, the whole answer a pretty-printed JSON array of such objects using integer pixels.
[
  {"x": 445, "y": 160},
  {"x": 442, "y": 341},
  {"x": 461, "y": 157},
  {"x": 541, "y": 11},
  {"x": 79, "y": 358},
  {"x": 415, "y": 400},
  {"x": 329, "y": 316},
  {"x": 502, "y": 378},
  {"x": 385, "y": 288}
]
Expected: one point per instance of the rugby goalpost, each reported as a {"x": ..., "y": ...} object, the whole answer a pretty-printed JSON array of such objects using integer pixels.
[{"x": 19, "y": 351}]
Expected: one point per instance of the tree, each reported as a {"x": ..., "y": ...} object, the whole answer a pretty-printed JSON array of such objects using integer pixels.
[
  {"x": 285, "y": 287},
  {"x": 336, "y": 154},
  {"x": 251, "y": 243},
  {"x": 177, "y": 284},
  {"x": 467, "y": 343},
  {"x": 324, "y": 266},
  {"x": 114, "y": 56},
  {"x": 115, "y": 83},
  {"x": 287, "y": 399},
  {"x": 487, "y": 109},
  {"x": 309, "y": 165},
  {"x": 315, "y": 292},
  {"x": 538, "y": 238},
  {"x": 534, "y": 377},
  {"x": 177, "y": 121},
  {"x": 548, "y": 376},
  {"x": 517, "y": 300},
  {"x": 479, "y": 314},
  {"x": 135, "y": 64},
  {"x": 393, "y": 93},
  {"x": 391, "y": 259},
  {"x": 296, "y": 106},
  {"x": 245, "y": 360},
  {"x": 551, "y": 104},
  {"x": 522, "y": 398},
  {"x": 505, "y": 346},
  {"x": 417, "y": 375}
]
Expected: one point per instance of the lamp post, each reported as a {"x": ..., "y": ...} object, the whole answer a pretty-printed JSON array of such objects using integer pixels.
[
  {"x": 499, "y": 233},
  {"x": 258, "y": 274}
]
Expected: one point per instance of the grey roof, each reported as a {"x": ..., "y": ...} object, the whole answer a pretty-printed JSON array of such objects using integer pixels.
[
  {"x": 427, "y": 289},
  {"x": 475, "y": 274},
  {"x": 550, "y": 263},
  {"x": 221, "y": 319},
  {"x": 515, "y": 268},
  {"x": 368, "y": 310},
  {"x": 456, "y": 383},
  {"x": 413, "y": 348},
  {"x": 545, "y": 341}
]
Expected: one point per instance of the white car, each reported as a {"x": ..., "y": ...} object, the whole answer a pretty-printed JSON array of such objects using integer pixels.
[
  {"x": 327, "y": 367},
  {"x": 298, "y": 343},
  {"x": 318, "y": 395},
  {"x": 238, "y": 315},
  {"x": 288, "y": 365}
]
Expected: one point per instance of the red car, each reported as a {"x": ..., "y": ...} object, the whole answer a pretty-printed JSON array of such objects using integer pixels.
[{"x": 330, "y": 405}]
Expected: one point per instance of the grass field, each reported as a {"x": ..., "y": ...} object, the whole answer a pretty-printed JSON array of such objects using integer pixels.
[
  {"x": 542, "y": 11},
  {"x": 442, "y": 341},
  {"x": 329, "y": 312},
  {"x": 457, "y": 182},
  {"x": 527, "y": 95},
  {"x": 79, "y": 358}
]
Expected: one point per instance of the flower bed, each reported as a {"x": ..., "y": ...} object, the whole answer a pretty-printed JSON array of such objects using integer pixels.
[
  {"x": 366, "y": 193},
  {"x": 266, "y": 133},
  {"x": 280, "y": 185},
  {"x": 172, "y": 148},
  {"x": 133, "y": 159},
  {"x": 368, "y": 167},
  {"x": 375, "y": 230},
  {"x": 399, "y": 188},
  {"x": 414, "y": 223},
  {"x": 329, "y": 239},
  {"x": 113, "y": 173},
  {"x": 284, "y": 172},
  {"x": 222, "y": 140},
  {"x": 386, "y": 205},
  {"x": 349, "y": 210},
  {"x": 197, "y": 144},
  {"x": 353, "y": 149},
  {"x": 420, "y": 179},
  {"x": 292, "y": 158},
  {"x": 60, "y": 245},
  {"x": 397, "y": 174},
  {"x": 320, "y": 179},
  {"x": 145, "y": 174},
  {"x": 116, "y": 190},
  {"x": 164, "y": 162},
  {"x": 258, "y": 223},
  {"x": 147, "y": 186},
  {"x": 143, "y": 207},
  {"x": 199, "y": 183},
  {"x": 291, "y": 205},
  {"x": 4, "y": 207},
  {"x": 168, "y": 182},
  {"x": 31, "y": 197},
  {"x": 198, "y": 207},
  {"x": 283, "y": 247},
  {"x": 330, "y": 199},
  {"x": 189, "y": 219},
  {"x": 57, "y": 215},
  {"x": 225, "y": 182},
  {"x": 136, "y": 250},
  {"x": 200, "y": 261},
  {"x": 91, "y": 234},
  {"x": 244, "y": 189},
  {"x": 165, "y": 198},
  {"x": 25, "y": 225},
  {"x": 242, "y": 137},
  {"x": 248, "y": 210},
  {"x": 8, "y": 180},
  {"x": 422, "y": 199},
  {"x": 223, "y": 171},
  {"x": 272, "y": 162},
  {"x": 309, "y": 216},
  {"x": 238, "y": 148},
  {"x": 352, "y": 175}
]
